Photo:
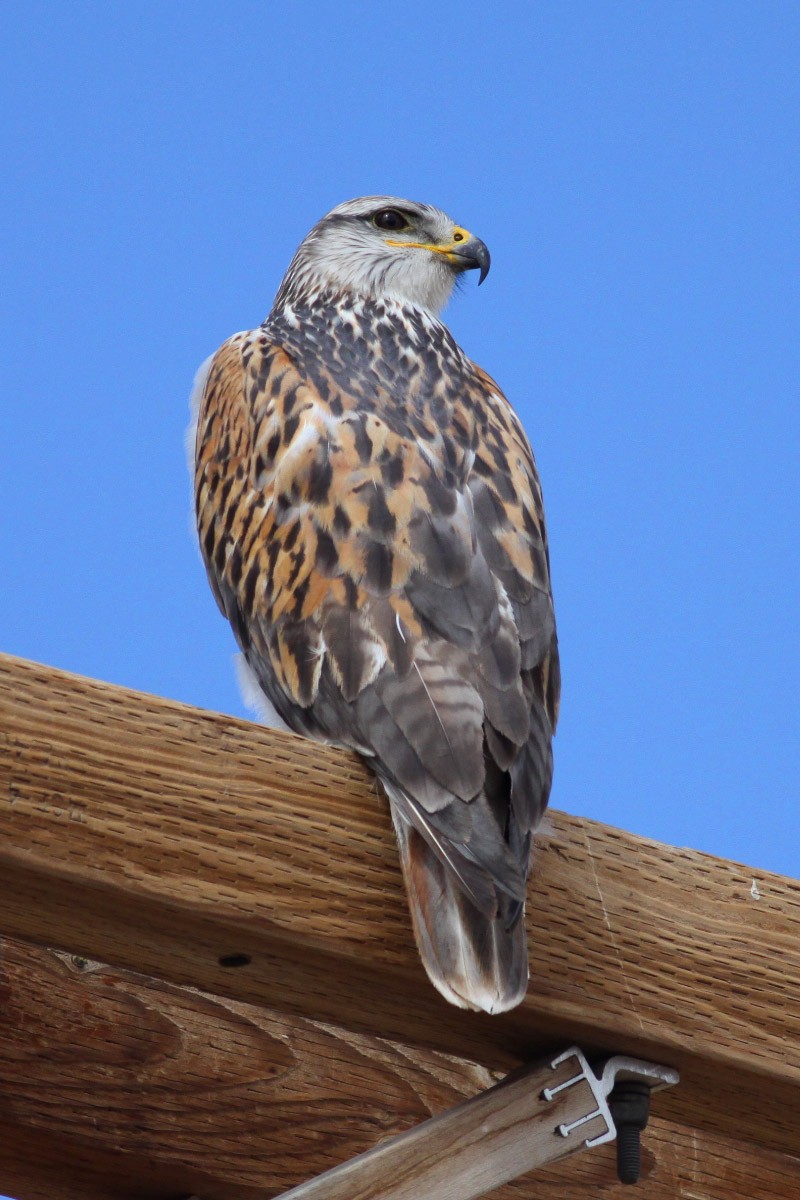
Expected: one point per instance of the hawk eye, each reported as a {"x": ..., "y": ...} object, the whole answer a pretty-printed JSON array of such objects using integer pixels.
[{"x": 390, "y": 218}]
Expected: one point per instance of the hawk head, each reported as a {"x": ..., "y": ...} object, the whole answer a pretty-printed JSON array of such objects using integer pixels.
[{"x": 381, "y": 246}]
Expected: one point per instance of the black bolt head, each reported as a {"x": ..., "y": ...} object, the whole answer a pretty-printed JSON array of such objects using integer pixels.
[{"x": 629, "y": 1103}]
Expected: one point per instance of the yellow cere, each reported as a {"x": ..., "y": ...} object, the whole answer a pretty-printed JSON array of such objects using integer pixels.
[{"x": 460, "y": 236}]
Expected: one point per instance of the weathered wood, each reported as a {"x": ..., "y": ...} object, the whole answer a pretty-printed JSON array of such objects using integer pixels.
[
  {"x": 166, "y": 839},
  {"x": 118, "y": 1087},
  {"x": 475, "y": 1147}
]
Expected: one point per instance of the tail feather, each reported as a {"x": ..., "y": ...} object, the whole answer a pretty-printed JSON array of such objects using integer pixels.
[{"x": 474, "y": 959}]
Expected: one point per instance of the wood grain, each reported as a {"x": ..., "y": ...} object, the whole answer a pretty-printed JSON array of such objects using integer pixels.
[
  {"x": 472, "y": 1149},
  {"x": 167, "y": 840},
  {"x": 118, "y": 1087}
]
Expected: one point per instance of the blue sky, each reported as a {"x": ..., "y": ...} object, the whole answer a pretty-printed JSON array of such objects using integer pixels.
[{"x": 633, "y": 168}]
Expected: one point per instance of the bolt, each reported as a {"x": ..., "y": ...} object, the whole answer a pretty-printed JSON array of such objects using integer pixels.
[{"x": 629, "y": 1103}]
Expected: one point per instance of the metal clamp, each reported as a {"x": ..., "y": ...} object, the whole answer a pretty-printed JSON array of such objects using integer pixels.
[{"x": 614, "y": 1073}]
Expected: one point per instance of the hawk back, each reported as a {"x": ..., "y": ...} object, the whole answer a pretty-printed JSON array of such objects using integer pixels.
[{"x": 371, "y": 520}]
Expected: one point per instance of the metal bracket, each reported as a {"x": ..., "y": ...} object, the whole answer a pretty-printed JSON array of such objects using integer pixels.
[
  {"x": 615, "y": 1071},
  {"x": 617, "y": 1068}
]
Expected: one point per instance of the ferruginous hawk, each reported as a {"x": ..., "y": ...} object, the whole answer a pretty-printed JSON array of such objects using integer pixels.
[{"x": 371, "y": 519}]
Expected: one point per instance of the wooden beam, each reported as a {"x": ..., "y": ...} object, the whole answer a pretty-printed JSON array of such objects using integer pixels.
[
  {"x": 118, "y": 1087},
  {"x": 174, "y": 841}
]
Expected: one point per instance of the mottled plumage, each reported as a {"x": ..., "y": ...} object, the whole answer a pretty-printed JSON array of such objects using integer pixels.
[{"x": 371, "y": 520}]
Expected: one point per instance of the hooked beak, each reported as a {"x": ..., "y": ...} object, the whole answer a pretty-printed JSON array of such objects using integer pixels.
[
  {"x": 472, "y": 255},
  {"x": 465, "y": 251}
]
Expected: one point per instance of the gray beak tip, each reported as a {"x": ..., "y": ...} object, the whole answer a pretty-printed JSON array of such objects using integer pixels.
[
  {"x": 482, "y": 259},
  {"x": 474, "y": 256}
]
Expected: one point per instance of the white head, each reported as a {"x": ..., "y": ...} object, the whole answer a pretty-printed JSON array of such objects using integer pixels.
[{"x": 382, "y": 246}]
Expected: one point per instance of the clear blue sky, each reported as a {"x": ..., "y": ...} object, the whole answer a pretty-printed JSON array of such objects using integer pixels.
[{"x": 633, "y": 168}]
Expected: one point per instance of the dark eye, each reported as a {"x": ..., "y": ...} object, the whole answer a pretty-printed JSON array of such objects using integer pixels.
[{"x": 390, "y": 218}]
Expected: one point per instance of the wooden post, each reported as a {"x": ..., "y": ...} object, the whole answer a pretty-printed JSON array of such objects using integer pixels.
[{"x": 542, "y": 1114}]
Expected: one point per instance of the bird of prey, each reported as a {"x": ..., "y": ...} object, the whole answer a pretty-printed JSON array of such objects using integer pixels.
[{"x": 370, "y": 516}]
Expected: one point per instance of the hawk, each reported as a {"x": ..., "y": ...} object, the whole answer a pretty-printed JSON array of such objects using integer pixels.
[{"x": 371, "y": 520}]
